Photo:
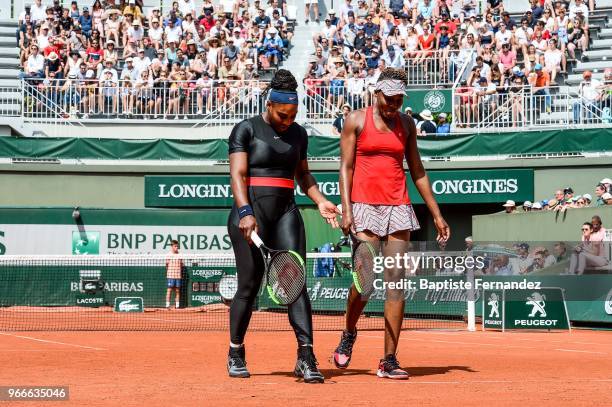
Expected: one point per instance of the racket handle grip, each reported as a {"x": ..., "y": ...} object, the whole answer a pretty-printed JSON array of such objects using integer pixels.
[{"x": 256, "y": 239}]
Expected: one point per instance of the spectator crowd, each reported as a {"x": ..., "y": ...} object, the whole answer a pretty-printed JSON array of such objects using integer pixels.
[
  {"x": 565, "y": 199},
  {"x": 494, "y": 59},
  {"x": 110, "y": 57}
]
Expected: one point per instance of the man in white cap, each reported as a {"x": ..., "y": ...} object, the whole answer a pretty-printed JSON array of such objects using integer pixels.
[
  {"x": 141, "y": 62},
  {"x": 273, "y": 46},
  {"x": 537, "y": 206},
  {"x": 443, "y": 128},
  {"x": 607, "y": 198},
  {"x": 427, "y": 125},
  {"x": 587, "y": 199},
  {"x": 607, "y": 182},
  {"x": 136, "y": 32},
  {"x": 510, "y": 206},
  {"x": 527, "y": 206}
]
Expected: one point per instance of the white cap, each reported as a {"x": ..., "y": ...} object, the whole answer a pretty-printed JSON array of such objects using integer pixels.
[
  {"x": 606, "y": 181},
  {"x": 536, "y": 205},
  {"x": 469, "y": 239},
  {"x": 588, "y": 197},
  {"x": 272, "y": 31},
  {"x": 509, "y": 203},
  {"x": 606, "y": 196},
  {"x": 527, "y": 204}
]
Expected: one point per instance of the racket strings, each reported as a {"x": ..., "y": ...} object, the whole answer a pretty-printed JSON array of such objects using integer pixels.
[
  {"x": 286, "y": 277},
  {"x": 363, "y": 266}
]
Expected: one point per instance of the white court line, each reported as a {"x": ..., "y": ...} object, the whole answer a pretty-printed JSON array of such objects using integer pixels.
[
  {"x": 48, "y": 341},
  {"x": 413, "y": 382},
  {"x": 581, "y": 351}
]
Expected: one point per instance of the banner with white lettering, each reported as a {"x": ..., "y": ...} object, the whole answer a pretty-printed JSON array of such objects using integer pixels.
[{"x": 457, "y": 186}]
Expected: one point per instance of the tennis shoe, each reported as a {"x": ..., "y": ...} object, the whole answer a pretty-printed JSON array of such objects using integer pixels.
[
  {"x": 306, "y": 366},
  {"x": 342, "y": 354},
  {"x": 236, "y": 363},
  {"x": 390, "y": 368}
]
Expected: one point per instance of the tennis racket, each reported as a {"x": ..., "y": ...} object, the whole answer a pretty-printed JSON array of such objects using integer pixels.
[
  {"x": 228, "y": 286},
  {"x": 362, "y": 255},
  {"x": 285, "y": 273}
]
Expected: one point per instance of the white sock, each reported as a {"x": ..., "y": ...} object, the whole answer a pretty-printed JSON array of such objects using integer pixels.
[
  {"x": 177, "y": 304},
  {"x": 167, "y": 304},
  {"x": 233, "y": 345}
]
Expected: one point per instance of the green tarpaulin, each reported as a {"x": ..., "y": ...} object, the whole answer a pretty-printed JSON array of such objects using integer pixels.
[{"x": 532, "y": 142}]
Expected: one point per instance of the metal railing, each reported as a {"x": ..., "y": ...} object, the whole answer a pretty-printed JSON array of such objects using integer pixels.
[
  {"x": 521, "y": 108},
  {"x": 10, "y": 101},
  {"x": 435, "y": 68},
  {"x": 79, "y": 101}
]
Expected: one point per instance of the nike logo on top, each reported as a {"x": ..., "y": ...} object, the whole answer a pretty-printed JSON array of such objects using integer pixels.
[{"x": 243, "y": 211}]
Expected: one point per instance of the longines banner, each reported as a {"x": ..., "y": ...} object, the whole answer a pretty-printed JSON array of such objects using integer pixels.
[{"x": 465, "y": 186}]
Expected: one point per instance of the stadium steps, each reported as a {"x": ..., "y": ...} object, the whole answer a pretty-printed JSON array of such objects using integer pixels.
[
  {"x": 598, "y": 54},
  {"x": 9, "y": 53},
  {"x": 605, "y": 43},
  {"x": 591, "y": 65},
  {"x": 605, "y": 33}
]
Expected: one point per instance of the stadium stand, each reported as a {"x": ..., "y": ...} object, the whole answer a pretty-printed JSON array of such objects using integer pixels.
[{"x": 550, "y": 72}]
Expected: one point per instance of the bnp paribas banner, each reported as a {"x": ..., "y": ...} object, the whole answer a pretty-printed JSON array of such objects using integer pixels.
[
  {"x": 465, "y": 186},
  {"x": 111, "y": 231}
]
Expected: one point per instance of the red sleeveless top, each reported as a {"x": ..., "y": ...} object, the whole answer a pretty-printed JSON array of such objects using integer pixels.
[{"x": 379, "y": 177}]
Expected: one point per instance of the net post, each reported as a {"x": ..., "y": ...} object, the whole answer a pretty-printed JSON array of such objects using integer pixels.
[{"x": 471, "y": 301}]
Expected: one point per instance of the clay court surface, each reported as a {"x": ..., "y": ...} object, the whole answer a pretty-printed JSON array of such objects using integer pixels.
[{"x": 188, "y": 369}]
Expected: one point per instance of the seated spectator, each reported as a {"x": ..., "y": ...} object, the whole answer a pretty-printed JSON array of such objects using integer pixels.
[
  {"x": 590, "y": 253},
  {"x": 590, "y": 92},
  {"x": 339, "y": 122},
  {"x": 443, "y": 127},
  {"x": 35, "y": 64},
  {"x": 509, "y": 206},
  {"x": 427, "y": 125},
  {"x": 607, "y": 198},
  {"x": 540, "y": 82}
]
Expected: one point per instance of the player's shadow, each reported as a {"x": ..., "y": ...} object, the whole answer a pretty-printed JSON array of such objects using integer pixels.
[{"x": 416, "y": 371}]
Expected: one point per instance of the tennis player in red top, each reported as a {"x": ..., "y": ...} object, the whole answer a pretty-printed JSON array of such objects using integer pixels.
[{"x": 376, "y": 207}]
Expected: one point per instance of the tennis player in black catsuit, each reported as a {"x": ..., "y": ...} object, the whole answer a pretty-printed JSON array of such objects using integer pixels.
[{"x": 266, "y": 153}]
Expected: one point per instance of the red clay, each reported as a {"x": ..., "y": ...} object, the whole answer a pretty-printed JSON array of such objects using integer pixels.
[{"x": 188, "y": 369}]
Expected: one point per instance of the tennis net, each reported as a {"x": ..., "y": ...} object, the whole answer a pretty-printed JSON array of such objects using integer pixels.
[{"x": 128, "y": 292}]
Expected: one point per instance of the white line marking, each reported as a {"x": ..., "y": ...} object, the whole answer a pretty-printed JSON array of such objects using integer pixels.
[
  {"x": 47, "y": 341},
  {"x": 581, "y": 351}
]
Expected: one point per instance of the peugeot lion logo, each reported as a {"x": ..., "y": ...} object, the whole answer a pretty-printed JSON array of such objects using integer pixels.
[
  {"x": 493, "y": 302},
  {"x": 538, "y": 302}
]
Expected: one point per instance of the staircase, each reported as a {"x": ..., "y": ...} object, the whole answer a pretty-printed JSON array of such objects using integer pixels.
[{"x": 10, "y": 103}]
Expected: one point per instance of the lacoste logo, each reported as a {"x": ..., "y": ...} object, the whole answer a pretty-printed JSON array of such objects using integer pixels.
[
  {"x": 127, "y": 306},
  {"x": 538, "y": 302}
]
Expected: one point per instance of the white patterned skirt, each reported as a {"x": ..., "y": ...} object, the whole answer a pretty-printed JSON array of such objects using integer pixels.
[{"x": 383, "y": 220}]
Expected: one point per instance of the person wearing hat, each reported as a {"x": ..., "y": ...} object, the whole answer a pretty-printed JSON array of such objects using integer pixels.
[
  {"x": 607, "y": 198},
  {"x": 54, "y": 68},
  {"x": 156, "y": 33},
  {"x": 537, "y": 206},
  {"x": 338, "y": 124},
  {"x": 408, "y": 112},
  {"x": 443, "y": 127},
  {"x": 426, "y": 126},
  {"x": 591, "y": 91},
  {"x": 541, "y": 83},
  {"x": 231, "y": 50},
  {"x": 510, "y": 206},
  {"x": 334, "y": 20},
  {"x": 273, "y": 47},
  {"x": 134, "y": 10},
  {"x": 527, "y": 206},
  {"x": 86, "y": 22},
  {"x": 607, "y": 183},
  {"x": 376, "y": 206}
]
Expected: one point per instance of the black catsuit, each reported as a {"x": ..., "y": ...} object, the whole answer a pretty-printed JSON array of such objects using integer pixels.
[{"x": 279, "y": 222}]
